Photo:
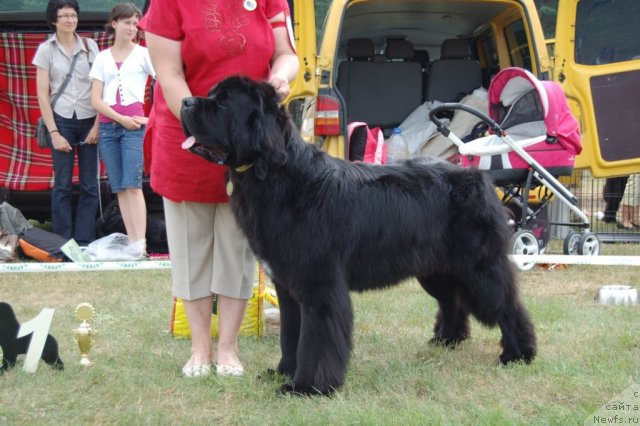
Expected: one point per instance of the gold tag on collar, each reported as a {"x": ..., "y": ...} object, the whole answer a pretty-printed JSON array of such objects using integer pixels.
[
  {"x": 250, "y": 5},
  {"x": 229, "y": 188}
]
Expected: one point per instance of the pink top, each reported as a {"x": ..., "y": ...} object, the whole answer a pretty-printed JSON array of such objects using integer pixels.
[{"x": 134, "y": 109}]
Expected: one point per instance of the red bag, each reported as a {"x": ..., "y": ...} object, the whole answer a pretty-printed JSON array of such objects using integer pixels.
[{"x": 375, "y": 150}]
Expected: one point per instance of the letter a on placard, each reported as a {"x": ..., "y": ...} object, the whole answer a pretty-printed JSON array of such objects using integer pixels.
[{"x": 39, "y": 326}]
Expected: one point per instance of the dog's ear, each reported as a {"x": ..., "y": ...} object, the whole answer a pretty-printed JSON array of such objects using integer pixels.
[{"x": 268, "y": 124}]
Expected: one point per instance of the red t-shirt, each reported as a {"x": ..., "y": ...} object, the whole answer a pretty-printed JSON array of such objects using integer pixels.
[{"x": 219, "y": 38}]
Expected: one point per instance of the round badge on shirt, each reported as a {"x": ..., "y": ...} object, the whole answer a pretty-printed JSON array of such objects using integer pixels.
[{"x": 250, "y": 5}]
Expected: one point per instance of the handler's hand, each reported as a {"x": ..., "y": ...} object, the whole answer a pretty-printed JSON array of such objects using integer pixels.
[
  {"x": 281, "y": 84},
  {"x": 60, "y": 143},
  {"x": 92, "y": 136},
  {"x": 130, "y": 123},
  {"x": 141, "y": 120}
]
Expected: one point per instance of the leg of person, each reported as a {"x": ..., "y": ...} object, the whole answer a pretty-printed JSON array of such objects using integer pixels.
[
  {"x": 625, "y": 216},
  {"x": 61, "y": 212},
  {"x": 627, "y": 203},
  {"x": 190, "y": 234},
  {"x": 132, "y": 206},
  {"x": 199, "y": 317},
  {"x": 230, "y": 312},
  {"x": 88, "y": 203},
  {"x": 109, "y": 146},
  {"x": 635, "y": 201},
  {"x": 110, "y": 151},
  {"x": 612, "y": 195},
  {"x": 134, "y": 213},
  {"x": 233, "y": 275}
]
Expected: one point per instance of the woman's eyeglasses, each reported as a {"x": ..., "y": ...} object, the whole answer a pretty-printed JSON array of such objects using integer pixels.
[{"x": 68, "y": 16}]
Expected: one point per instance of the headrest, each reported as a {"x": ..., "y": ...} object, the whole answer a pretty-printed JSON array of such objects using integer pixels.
[
  {"x": 399, "y": 49},
  {"x": 360, "y": 48},
  {"x": 421, "y": 56},
  {"x": 455, "y": 48}
]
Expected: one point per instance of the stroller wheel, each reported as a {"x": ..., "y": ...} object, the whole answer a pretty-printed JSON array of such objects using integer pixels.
[
  {"x": 524, "y": 243},
  {"x": 589, "y": 245},
  {"x": 571, "y": 243}
]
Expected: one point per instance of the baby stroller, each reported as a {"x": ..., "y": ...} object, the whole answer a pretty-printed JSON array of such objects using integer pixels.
[{"x": 533, "y": 140}]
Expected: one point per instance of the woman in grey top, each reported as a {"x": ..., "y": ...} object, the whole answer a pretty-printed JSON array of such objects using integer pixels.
[{"x": 72, "y": 122}]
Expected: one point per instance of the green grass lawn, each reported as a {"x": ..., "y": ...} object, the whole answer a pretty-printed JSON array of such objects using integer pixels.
[{"x": 588, "y": 354}]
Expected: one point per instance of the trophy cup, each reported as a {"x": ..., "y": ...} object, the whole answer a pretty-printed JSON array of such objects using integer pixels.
[{"x": 84, "y": 334}]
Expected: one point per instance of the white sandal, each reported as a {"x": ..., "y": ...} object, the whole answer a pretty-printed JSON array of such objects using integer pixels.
[
  {"x": 196, "y": 370},
  {"x": 229, "y": 370}
]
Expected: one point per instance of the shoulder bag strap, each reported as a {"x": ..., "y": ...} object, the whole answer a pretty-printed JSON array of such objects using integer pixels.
[
  {"x": 86, "y": 46},
  {"x": 65, "y": 83}
]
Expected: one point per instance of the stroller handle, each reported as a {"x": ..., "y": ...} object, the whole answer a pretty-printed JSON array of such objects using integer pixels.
[{"x": 442, "y": 128}]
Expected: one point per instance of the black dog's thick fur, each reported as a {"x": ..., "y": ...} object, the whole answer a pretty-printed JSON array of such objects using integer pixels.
[
  {"x": 12, "y": 346},
  {"x": 326, "y": 226}
]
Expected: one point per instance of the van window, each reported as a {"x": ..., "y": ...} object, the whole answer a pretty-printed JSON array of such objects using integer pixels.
[
  {"x": 547, "y": 12},
  {"x": 489, "y": 62},
  {"x": 604, "y": 36},
  {"x": 518, "y": 45}
]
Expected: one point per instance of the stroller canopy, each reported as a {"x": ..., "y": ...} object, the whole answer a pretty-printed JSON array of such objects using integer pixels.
[{"x": 516, "y": 96}]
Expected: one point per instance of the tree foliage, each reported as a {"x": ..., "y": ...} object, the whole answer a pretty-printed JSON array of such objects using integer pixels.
[
  {"x": 321, "y": 8},
  {"x": 548, "y": 11}
]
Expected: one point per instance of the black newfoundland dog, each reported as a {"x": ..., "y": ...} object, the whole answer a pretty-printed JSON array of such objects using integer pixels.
[
  {"x": 12, "y": 345},
  {"x": 326, "y": 226}
]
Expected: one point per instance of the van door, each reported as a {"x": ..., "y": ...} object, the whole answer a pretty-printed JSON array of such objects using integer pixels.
[
  {"x": 304, "y": 34},
  {"x": 597, "y": 61}
]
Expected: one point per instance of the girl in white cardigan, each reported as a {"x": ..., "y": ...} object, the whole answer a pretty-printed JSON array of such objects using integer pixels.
[{"x": 119, "y": 78}]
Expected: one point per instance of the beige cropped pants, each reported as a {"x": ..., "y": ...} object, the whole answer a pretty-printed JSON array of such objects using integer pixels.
[{"x": 209, "y": 253}]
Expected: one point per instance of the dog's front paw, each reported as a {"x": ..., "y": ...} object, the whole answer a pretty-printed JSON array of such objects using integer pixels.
[
  {"x": 445, "y": 341},
  {"x": 508, "y": 358},
  {"x": 272, "y": 375},
  {"x": 286, "y": 368},
  {"x": 303, "y": 390}
]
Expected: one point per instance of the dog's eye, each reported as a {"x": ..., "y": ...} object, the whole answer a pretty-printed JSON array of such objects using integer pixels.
[{"x": 214, "y": 155}]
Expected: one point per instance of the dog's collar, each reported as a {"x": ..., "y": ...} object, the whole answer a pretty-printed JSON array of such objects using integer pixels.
[{"x": 243, "y": 168}]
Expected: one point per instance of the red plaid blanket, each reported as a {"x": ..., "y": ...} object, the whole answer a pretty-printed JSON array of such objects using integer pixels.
[{"x": 24, "y": 166}]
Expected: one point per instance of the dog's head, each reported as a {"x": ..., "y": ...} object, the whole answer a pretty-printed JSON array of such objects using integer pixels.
[
  {"x": 240, "y": 123},
  {"x": 8, "y": 320}
]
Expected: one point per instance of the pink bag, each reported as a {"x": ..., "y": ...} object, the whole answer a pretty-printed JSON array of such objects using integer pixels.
[{"x": 375, "y": 150}]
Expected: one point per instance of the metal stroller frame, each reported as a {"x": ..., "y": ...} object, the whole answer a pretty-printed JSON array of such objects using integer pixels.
[{"x": 524, "y": 242}]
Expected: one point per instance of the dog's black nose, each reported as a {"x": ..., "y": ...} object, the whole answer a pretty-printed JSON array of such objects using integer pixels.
[{"x": 188, "y": 102}]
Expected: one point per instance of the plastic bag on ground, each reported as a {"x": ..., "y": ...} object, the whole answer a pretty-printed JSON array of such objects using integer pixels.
[{"x": 115, "y": 247}]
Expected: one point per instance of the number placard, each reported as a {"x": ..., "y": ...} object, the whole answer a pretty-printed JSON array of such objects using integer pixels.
[{"x": 39, "y": 326}]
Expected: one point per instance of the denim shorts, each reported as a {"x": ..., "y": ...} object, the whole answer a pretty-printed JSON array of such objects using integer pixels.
[{"x": 121, "y": 151}]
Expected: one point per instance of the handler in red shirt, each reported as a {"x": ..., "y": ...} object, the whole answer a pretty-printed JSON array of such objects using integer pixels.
[{"x": 194, "y": 45}]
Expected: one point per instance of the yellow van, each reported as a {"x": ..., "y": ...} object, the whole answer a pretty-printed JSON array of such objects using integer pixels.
[
  {"x": 597, "y": 61},
  {"x": 378, "y": 60}
]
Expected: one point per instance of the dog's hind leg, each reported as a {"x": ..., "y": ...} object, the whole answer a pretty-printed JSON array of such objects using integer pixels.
[
  {"x": 325, "y": 341},
  {"x": 452, "y": 320},
  {"x": 492, "y": 296},
  {"x": 289, "y": 331},
  {"x": 518, "y": 336}
]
